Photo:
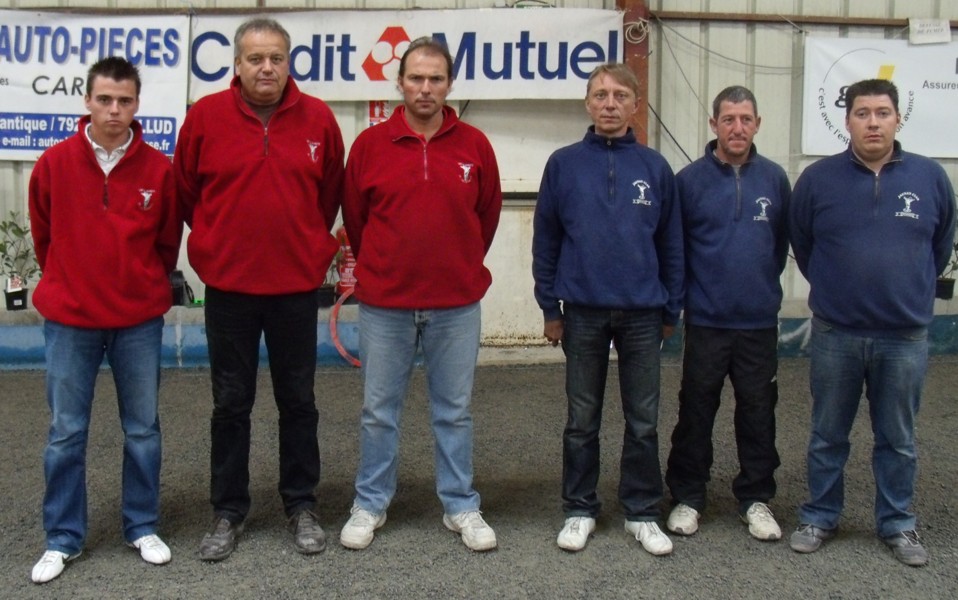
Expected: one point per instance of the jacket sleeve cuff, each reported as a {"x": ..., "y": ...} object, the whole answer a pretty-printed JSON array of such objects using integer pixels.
[{"x": 552, "y": 313}]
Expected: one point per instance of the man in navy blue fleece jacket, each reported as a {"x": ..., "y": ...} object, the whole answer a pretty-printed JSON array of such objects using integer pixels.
[
  {"x": 734, "y": 205},
  {"x": 608, "y": 267},
  {"x": 871, "y": 228}
]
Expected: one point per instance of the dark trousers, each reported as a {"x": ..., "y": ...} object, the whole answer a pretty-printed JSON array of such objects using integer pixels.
[
  {"x": 637, "y": 335},
  {"x": 749, "y": 357},
  {"x": 234, "y": 324}
]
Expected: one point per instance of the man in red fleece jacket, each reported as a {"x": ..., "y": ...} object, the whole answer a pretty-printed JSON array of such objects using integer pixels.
[
  {"x": 106, "y": 231},
  {"x": 259, "y": 168},
  {"x": 422, "y": 205}
]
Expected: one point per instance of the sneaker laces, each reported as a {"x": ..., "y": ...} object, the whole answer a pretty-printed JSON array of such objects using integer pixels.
[
  {"x": 150, "y": 542},
  {"x": 472, "y": 519},
  {"x": 761, "y": 512},
  {"x": 685, "y": 511},
  {"x": 651, "y": 527},
  {"x": 575, "y": 523},
  {"x": 52, "y": 556},
  {"x": 363, "y": 518},
  {"x": 911, "y": 537}
]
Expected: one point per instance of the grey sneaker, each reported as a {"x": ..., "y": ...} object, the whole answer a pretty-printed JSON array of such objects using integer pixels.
[
  {"x": 907, "y": 548},
  {"x": 220, "y": 541},
  {"x": 476, "y": 533},
  {"x": 761, "y": 522},
  {"x": 808, "y": 538},
  {"x": 309, "y": 537},
  {"x": 359, "y": 530}
]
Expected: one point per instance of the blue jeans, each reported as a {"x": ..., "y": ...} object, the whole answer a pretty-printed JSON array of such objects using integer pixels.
[
  {"x": 893, "y": 373},
  {"x": 234, "y": 324},
  {"x": 73, "y": 357},
  {"x": 637, "y": 335},
  {"x": 388, "y": 340}
]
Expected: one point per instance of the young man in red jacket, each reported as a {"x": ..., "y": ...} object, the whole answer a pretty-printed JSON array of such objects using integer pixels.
[
  {"x": 421, "y": 207},
  {"x": 259, "y": 169},
  {"x": 106, "y": 231}
]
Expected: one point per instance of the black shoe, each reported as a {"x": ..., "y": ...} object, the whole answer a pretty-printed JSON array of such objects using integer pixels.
[
  {"x": 308, "y": 536},
  {"x": 220, "y": 541},
  {"x": 907, "y": 548}
]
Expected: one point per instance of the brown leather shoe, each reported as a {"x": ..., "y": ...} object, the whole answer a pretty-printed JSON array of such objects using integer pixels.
[
  {"x": 308, "y": 536},
  {"x": 220, "y": 541}
]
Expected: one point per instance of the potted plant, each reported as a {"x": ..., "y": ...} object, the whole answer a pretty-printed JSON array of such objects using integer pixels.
[
  {"x": 19, "y": 261},
  {"x": 945, "y": 284}
]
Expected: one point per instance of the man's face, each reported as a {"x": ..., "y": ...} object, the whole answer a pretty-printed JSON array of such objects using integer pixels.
[
  {"x": 735, "y": 127},
  {"x": 263, "y": 66},
  {"x": 872, "y": 123},
  {"x": 611, "y": 106},
  {"x": 112, "y": 105},
  {"x": 425, "y": 84}
]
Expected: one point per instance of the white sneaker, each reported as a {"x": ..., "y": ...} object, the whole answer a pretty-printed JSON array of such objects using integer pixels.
[
  {"x": 650, "y": 536},
  {"x": 476, "y": 534},
  {"x": 761, "y": 522},
  {"x": 683, "y": 520},
  {"x": 50, "y": 565},
  {"x": 359, "y": 530},
  {"x": 575, "y": 533},
  {"x": 152, "y": 549}
]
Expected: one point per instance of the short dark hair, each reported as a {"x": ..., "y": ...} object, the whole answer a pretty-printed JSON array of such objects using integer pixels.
[
  {"x": 259, "y": 24},
  {"x": 115, "y": 68},
  {"x": 431, "y": 46},
  {"x": 870, "y": 87},
  {"x": 620, "y": 72},
  {"x": 734, "y": 94}
]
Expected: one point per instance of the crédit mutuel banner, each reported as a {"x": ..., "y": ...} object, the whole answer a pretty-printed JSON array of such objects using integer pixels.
[
  {"x": 926, "y": 77},
  {"x": 336, "y": 56}
]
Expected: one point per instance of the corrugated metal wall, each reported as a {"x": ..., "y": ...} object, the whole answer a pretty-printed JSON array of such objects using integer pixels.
[
  {"x": 691, "y": 60},
  {"x": 694, "y": 59}
]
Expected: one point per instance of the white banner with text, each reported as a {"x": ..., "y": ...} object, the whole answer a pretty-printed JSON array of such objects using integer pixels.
[
  {"x": 926, "y": 77},
  {"x": 44, "y": 59}
]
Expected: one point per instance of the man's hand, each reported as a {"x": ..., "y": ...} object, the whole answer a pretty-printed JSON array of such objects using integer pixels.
[
  {"x": 553, "y": 331},
  {"x": 667, "y": 331}
]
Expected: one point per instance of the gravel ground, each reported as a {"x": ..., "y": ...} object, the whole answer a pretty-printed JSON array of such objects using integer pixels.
[{"x": 519, "y": 412}]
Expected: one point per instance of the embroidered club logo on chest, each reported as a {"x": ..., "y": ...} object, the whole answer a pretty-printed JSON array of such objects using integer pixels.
[
  {"x": 466, "y": 170},
  {"x": 641, "y": 185},
  {"x": 763, "y": 204},
  {"x": 146, "y": 203},
  {"x": 908, "y": 198}
]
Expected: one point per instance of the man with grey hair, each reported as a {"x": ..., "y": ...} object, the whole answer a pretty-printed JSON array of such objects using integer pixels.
[
  {"x": 608, "y": 267},
  {"x": 259, "y": 168},
  {"x": 734, "y": 205}
]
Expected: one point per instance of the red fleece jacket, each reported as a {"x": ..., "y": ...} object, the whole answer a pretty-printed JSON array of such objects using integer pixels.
[
  {"x": 421, "y": 215},
  {"x": 260, "y": 201},
  {"x": 106, "y": 244}
]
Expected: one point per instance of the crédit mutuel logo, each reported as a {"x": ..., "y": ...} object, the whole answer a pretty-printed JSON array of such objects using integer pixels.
[
  {"x": 869, "y": 63},
  {"x": 382, "y": 62}
]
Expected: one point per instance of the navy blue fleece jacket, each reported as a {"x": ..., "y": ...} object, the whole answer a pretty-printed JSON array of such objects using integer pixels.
[
  {"x": 736, "y": 241},
  {"x": 607, "y": 229},
  {"x": 872, "y": 244}
]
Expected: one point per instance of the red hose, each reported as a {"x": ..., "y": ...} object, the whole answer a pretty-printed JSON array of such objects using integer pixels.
[{"x": 334, "y": 332}]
